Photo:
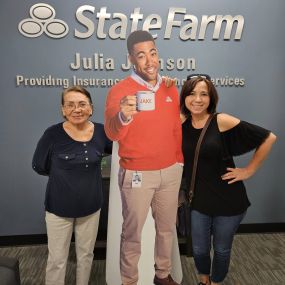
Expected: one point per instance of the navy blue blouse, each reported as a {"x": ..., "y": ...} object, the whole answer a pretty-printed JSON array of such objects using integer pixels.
[{"x": 74, "y": 187}]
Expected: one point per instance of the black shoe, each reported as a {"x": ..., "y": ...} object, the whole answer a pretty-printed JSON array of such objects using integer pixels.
[{"x": 164, "y": 281}]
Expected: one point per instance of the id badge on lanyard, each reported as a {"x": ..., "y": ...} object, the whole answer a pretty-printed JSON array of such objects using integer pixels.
[{"x": 137, "y": 180}]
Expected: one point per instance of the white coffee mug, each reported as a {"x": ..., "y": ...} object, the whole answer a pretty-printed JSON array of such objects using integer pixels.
[{"x": 145, "y": 100}]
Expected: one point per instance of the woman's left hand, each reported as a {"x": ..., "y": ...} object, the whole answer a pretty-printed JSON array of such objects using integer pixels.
[
  {"x": 236, "y": 174},
  {"x": 169, "y": 81}
]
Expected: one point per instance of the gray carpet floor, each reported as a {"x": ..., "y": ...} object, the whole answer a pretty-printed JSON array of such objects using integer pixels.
[{"x": 256, "y": 259}]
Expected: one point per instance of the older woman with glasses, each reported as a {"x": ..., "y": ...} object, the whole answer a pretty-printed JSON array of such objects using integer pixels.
[
  {"x": 70, "y": 154},
  {"x": 220, "y": 200}
]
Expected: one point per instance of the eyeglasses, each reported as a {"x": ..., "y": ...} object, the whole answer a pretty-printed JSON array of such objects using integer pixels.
[
  {"x": 70, "y": 106},
  {"x": 192, "y": 76}
]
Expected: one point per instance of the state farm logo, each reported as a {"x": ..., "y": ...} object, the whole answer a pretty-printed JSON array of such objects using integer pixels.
[{"x": 43, "y": 21}]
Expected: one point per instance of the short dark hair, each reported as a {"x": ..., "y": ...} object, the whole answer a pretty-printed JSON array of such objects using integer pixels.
[
  {"x": 76, "y": 88},
  {"x": 138, "y": 37},
  {"x": 188, "y": 87}
]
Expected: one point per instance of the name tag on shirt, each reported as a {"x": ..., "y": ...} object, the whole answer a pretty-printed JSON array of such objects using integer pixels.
[{"x": 137, "y": 180}]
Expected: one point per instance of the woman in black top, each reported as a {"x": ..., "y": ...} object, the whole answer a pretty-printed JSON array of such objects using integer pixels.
[
  {"x": 220, "y": 200},
  {"x": 70, "y": 154}
]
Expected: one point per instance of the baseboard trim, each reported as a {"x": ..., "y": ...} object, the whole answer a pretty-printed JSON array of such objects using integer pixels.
[
  {"x": 36, "y": 239},
  {"x": 262, "y": 228},
  {"x": 19, "y": 240}
]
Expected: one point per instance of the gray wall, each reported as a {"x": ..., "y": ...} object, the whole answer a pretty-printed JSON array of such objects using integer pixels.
[{"x": 28, "y": 110}]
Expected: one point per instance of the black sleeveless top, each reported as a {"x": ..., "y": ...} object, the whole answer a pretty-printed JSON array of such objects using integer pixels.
[{"x": 214, "y": 196}]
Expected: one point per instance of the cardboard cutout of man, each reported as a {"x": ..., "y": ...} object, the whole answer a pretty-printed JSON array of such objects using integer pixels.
[{"x": 149, "y": 147}]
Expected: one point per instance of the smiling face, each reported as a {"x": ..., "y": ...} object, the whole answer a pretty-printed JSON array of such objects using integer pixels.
[
  {"x": 198, "y": 101},
  {"x": 76, "y": 107},
  {"x": 144, "y": 57}
]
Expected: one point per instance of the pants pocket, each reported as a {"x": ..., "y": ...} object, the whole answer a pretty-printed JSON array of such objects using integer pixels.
[{"x": 121, "y": 177}]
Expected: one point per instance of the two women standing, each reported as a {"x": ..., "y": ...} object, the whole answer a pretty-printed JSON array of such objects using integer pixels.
[{"x": 70, "y": 154}]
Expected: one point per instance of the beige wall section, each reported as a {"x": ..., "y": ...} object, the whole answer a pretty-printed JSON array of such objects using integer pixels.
[{"x": 115, "y": 219}]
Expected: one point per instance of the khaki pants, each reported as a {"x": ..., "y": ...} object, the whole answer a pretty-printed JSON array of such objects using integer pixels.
[
  {"x": 59, "y": 231},
  {"x": 159, "y": 190}
]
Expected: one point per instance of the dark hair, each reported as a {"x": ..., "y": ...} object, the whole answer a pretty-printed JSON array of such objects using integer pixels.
[
  {"x": 138, "y": 37},
  {"x": 188, "y": 87},
  {"x": 76, "y": 88}
]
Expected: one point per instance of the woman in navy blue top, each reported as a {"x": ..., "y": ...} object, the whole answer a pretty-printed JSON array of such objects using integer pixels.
[
  {"x": 220, "y": 200},
  {"x": 70, "y": 154}
]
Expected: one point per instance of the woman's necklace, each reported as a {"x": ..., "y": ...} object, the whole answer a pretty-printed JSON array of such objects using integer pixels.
[{"x": 84, "y": 133}]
